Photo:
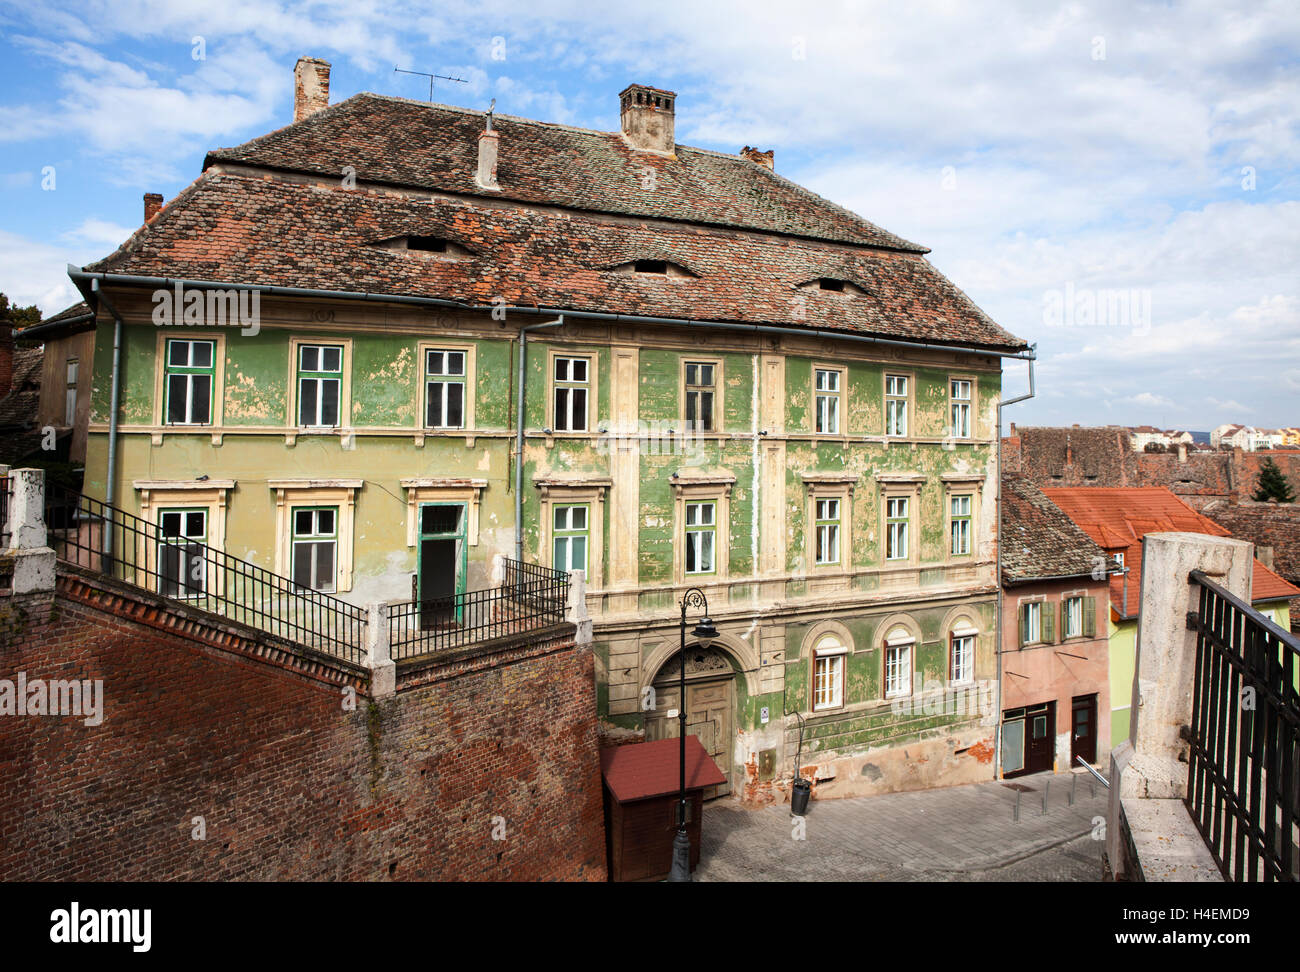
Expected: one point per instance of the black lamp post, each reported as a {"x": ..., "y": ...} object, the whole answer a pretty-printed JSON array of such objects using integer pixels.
[{"x": 705, "y": 634}]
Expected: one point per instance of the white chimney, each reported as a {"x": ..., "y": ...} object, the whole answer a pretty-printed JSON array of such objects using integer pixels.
[
  {"x": 488, "y": 145},
  {"x": 311, "y": 87},
  {"x": 648, "y": 118}
]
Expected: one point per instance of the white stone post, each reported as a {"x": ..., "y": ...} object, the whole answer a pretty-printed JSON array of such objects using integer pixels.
[
  {"x": 577, "y": 611},
  {"x": 28, "y": 542},
  {"x": 1147, "y": 776},
  {"x": 383, "y": 670}
]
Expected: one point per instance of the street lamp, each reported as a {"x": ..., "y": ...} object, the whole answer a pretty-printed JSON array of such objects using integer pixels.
[{"x": 705, "y": 634}]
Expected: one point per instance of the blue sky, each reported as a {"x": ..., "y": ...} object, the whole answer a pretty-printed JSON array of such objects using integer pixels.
[{"x": 1117, "y": 181}]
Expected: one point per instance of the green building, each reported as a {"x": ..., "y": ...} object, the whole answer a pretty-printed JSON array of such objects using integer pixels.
[{"x": 727, "y": 383}]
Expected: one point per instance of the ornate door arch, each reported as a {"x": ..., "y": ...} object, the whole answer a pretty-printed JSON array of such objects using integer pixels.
[{"x": 710, "y": 706}]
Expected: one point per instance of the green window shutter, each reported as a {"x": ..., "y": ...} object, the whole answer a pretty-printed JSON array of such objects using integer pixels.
[
  {"x": 1090, "y": 617},
  {"x": 1049, "y": 623},
  {"x": 1024, "y": 624}
]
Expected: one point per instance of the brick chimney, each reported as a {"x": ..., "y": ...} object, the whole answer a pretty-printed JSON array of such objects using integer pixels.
[
  {"x": 152, "y": 205},
  {"x": 311, "y": 87},
  {"x": 648, "y": 118},
  {"x": 765, "y": 159},
  {"x": 6, "y": 359}
]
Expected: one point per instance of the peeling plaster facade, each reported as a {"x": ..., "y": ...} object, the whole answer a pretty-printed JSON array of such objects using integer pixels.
[{"x": 764, "y": 466}]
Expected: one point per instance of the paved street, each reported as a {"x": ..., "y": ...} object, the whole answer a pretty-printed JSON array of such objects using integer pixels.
[{"x": 961, "y": 833}]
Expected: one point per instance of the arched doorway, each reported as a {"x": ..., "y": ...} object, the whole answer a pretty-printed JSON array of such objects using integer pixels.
[{"x": 710, "y": 706}]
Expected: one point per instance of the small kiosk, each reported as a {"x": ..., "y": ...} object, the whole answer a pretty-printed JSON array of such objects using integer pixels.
[{"x": 641, "y": 792}]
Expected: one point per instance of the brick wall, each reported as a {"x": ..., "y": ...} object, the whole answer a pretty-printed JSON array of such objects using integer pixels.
[{"x": 204, "y": 720}]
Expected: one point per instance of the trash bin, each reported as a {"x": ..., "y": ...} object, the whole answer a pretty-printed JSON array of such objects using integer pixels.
[{"x": 799, "y": 794}]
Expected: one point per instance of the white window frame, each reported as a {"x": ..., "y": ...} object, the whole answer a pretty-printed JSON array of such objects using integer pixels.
[
  {"x": 70, "y": 397},
  {"x": 898, "y": 662},
  {"x": 969, "y": 640},
  {"x": 314, "y": 539},
  {"x": 1072, "y": 608},
  {"x": 828, "y": 399},
  {"x": 897, "y": 405},
  {"x": 446, "y": 380},
  {"x": 1034, "y": 622},
  {"x": 184, "y": 584},
  {"x": 586, "y": 385},
  {"x": 697, "y": 391},
  {"x": 828, "y": 670},
  {"x": 699, "y": 530},
  {"x": 320, "y": 376},
  {"x": 896, "y": 528},
  {"x": 961, "y": 407}
]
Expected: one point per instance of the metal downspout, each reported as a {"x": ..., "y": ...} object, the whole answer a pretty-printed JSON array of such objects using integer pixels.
[
  {"x": 110, "y": 488},
  {"x": 519, "y": 431},
  {"x": 997, "y": 734}
]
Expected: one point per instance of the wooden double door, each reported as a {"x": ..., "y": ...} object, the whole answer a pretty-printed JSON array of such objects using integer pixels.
[{"x": 710, "y": 716}]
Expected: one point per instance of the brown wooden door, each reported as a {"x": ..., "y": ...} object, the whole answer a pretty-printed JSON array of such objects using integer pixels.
[
  {"x": 1083, "y": 729},
  {"x": 709, "y": 707}
]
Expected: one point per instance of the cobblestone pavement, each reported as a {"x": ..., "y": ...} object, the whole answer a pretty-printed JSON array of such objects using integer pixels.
[{"x": 959, "y": 833}]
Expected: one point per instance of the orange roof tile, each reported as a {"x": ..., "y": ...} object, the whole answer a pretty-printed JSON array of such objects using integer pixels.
[{"x": 1118, "y": 518}]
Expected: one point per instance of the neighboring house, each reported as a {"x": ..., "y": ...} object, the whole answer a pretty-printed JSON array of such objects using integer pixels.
[
  {"x": 1117, "y": 520},
  {"x": 730, "y": 383},
  {"x": 1236, "y": 437},
  {"x": 65, "y": 344},
  {"x": 20, "y": 393},
  {"x": 1054, "y": 652},
  {"x": 1274, "y": 529}
]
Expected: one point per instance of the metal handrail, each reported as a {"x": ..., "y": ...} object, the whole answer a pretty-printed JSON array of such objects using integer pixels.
[
  {"x": 1086, "y": 765},
  {"x": 111, "y": 542}
]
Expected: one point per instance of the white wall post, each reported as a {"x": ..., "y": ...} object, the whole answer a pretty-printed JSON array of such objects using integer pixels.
[
  {"x": 577, "y": 609},
  {"x": 28, "y": 541},
  {"x": 383, "y": 670},
  {"x": 1148, "y": 780}
]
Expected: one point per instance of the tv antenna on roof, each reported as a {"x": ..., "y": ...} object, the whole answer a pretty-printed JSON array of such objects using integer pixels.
[{"x": 431, "y": 77}]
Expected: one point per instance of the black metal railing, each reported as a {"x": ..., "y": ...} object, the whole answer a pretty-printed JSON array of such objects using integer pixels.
[
  {"x": 529, "y": 597},
  {"x": 111, "y": 542},
  {"x": 1242, "y": 779}
]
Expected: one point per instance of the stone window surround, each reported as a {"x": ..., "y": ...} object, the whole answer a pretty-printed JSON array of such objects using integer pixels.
[
  {"x": 430, "y": 489},
  {"x": 421, "y": 389},
  {"x": 173, "y": 333},
  {"x": 842, "y": 395},
  {"x": 973, "y": 401},
  {"x": 719, "y": 388},
  {"x": 808, "y": 649},
  {"x": 210, "y": 495},
  {"x": 912, "y": 640},
  {"x": 593, "y": 391},
  {"x": 962, "y": 484},
  {"x": 886, "y": 373},
  {"x": 709, "y": 488},
  {"x": 564, "y": 491},
  {"x": 345, "y": 388},
  {"x": 829, "y": 485},
  {"x": 340, "y": 493},
  {"x": 894, "y": 486}
]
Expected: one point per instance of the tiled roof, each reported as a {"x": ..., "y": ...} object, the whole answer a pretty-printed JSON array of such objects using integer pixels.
[
  {"x": 430, "y": 146},
  {"x": 1039, "y": 540},
  {"x": 241, "y": 229},
  {"x": 639, "y": 771},
  {"x": 1118, "y": 519}
]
